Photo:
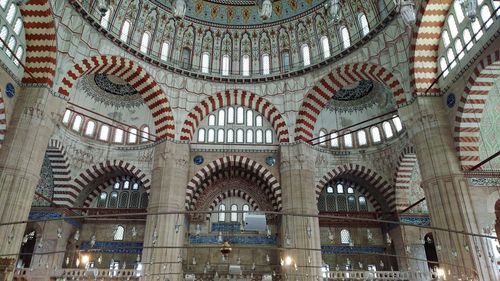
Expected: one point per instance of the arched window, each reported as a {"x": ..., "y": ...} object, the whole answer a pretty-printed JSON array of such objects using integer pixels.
[
  {"x": 285, "y": 61},
  {"x": 348, "y": 140},
  {"x": 334, "y": 139},
  {"x": 103, "y": 197},
  {"x": 363, "y": 23},
  {"x": 67, "y": 116},
  {"x": 265, "y": 64},
  {"x": 350, "y": 190},
  {"x": 222, "y": 216},
  {"x": 230, "y": 115},
  {"x": 211, "y": 120},
  {"x": 258, "y": 121},
  {"x": 239, "y": 115},
  {"x": 362, "y": 137},
  {"x": 201, "y": 135},
  {"x": 126, "y": 185},
  {"x": 446, "y": 38},
  {"x": 135, "y": 186},
  {"x": 19, "y": 55},
  {"x": 444, "y": 66},
  {"x": 132, "y": 135},
  {"x": 145, "y": 42},
  {"x": 123, "y": 200},
  {"x": 205, "y": 62},
  {"x": 269, "y": 136},
  {"x": 186, "y": 58},
  {"x": 118, "y": 136},
  {"x": 250, "y": 136},
  {"x": 375, "y": 132},
  {"x": 230, "y": 136},
  {"x": 3, "y": 34},
  {"x": 245, "y": 208},
  {"x": 3, "y": 3},
  {"x": 220, "y": 135},
  {"x": 105, "y": 19},
  {"x": 452, "y": 24},
  {"x": 476, "y": 29},
  {"x": 459, "y": 48},
  {"x": 345, "y": 236},
  {"x": 221, "y": 117},
  {"x": 329, "y": 189},
  {"x": 362, "y": 203},
  {"x": 144, "y": 200},
  {"x": 116, "y": 185},
  {"x": 11, "y": 45},
  {"x": 90, "y": 129},
  {"x": 225, "y": 65},
  {"x": 325, "y": 45},
  {"x": 134, "y": 200},
  {"x": 306, "y": 56},
  {"x": 145, "y": 134},
  {"x": 11, "y": 13},
  {"x": 239, "y": 136},
  {"x": 113, "y": 200},
  {"x": 486, "y": 16},
  {"x": 77, "y": 123},
  {"x": 164, "y": 51},
  {"x": 397, "y": 123},
  {"x": 346, "y": 39},
  {"x": 340, "y": 188},
  {"x": 124, "y": 31},
  {"x": 245, "y": 65},
  {"x": 322, "y": 137},
  {"x": 387, "y": 129},
  {"x": 496, "y": 5},
  {"x": 104, "y": 133},
  {"x": 259, "y": 138},
  {"x": 18, "y": 26},
  {"x": 249, "y": 118},
  {"x": 211, "y": 135},
  {"x": 459, "y": 12},
  {"x": 351, "y": 203},
  {"x": 451, "y": 58},
  {"x": 119, "y": 232},
  {"x": 467, "y": 39},
  {"x": 234, "y": 214}
]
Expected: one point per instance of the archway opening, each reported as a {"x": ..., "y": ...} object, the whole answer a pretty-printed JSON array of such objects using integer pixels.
[{"x": 430, "y": 251}]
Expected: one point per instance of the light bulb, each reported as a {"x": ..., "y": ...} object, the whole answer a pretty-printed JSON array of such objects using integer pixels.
[
  {"x": 177, "y": 228},
  {"x": 155, "y": 236},
  {"x": 295, "y": 266},
  {"x": 268, "y": 232},
  {"x": 134, "y": 232},
  {"x": 408, "y": 249},
  {"x": 288, "y": 240},
  {"x": 309, "y": 259},
  {"x": 331, "y": 237},
  {"x": 67, "y": 260},
  {"x": 40, "y": 243},
  {"x": 388, "y": 238},
  {"x": 77, "y": 262},
  {"x": 77, "y": 235},
  {"x": 194, "y": 261},
  {"x": 268, "y": 259},
  {"x": 99, "y": 259},
  {"x": 59, "y": 233},
  {"x": 219, "y": 237},
  {"x": 92, "y": 241},
  {"x": 198, "y": 229},
  {"x": 381, "y": 264},
  {"x": 138, "y": 258},
  {"x": 253, "y": 266},
  {"x": 360, "y": 264},
  {"x": 369, "y": 235},
  {"x": 309, "y": 231},
  {"x": 238, "y": 261},
  {"x": 348, "y": 262}
]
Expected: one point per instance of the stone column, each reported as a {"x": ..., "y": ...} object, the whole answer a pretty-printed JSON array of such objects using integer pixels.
[
  {"x": 168, "y": 192},
  {"x": 21, "y": 157},
  {"x": 299, "y": 197},
  {"x": 446, "y": 190}
]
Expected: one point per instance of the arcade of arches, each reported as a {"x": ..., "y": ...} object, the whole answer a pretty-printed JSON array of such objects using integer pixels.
[{"x": 249, "y": 140}]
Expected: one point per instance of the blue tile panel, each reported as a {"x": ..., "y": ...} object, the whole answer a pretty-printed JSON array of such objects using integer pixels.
[
  {"x": 113, "y": 247},
  {"x": 417, "y": 220},
  {"x": 226, "y": 227},
  {"x": 255, "y": 240},
  {"x": 339, "y": 249},
  {"x": 44, "y": 215}
]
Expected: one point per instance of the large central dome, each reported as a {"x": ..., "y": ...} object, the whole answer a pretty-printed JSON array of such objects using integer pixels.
[{"x": 241, "y": 12}]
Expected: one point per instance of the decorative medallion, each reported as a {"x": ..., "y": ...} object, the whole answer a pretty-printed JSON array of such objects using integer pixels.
[
  {"x": 10, "y": 91},
  {"x": 270, "y": 161},
  {"x": 450, "y": 100},
  {"x": 198, "y": 159},
  {"x": 362, "y": 89},
  {"x": 116, "y": 95},
  {"x": 104, "y": 82}
]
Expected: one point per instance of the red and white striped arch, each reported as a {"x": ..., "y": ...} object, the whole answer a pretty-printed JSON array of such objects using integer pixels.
[
  {"x": 376, "y": 182},
  {"x": 231, "y": 167},
  {"x": 3, "y": 120},
  {"x": 137, "y": 77},
  {"x": 471, "y": 107},
  {"x": 63, "y": 188},
  {"x": 406, "y": 164},
  {"x": 103, "y": 170},
  {"x": 38, "y": 21},
  {"x": 431, "y": 17},
  {"x": 235, "y": 97},
  {"x": 339, "y": 78}
]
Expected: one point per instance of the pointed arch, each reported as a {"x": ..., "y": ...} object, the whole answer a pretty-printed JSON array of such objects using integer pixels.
[
  {"x": 137, "y": 77},
  {"x": 234, "y": 97},
  {"x": 431, "y": 17},
  {"x": 378, "y": 186},
  {"x": 470, "y": 109},
  {"x": 3, "y": 121},
  {"x": 233, "y": 166},
  {"x": 84, "y": 184},
  {"x": 325, "y": 89},
  {"x": 406, "y": 164},
  {"x": 40, "y": 64}
]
